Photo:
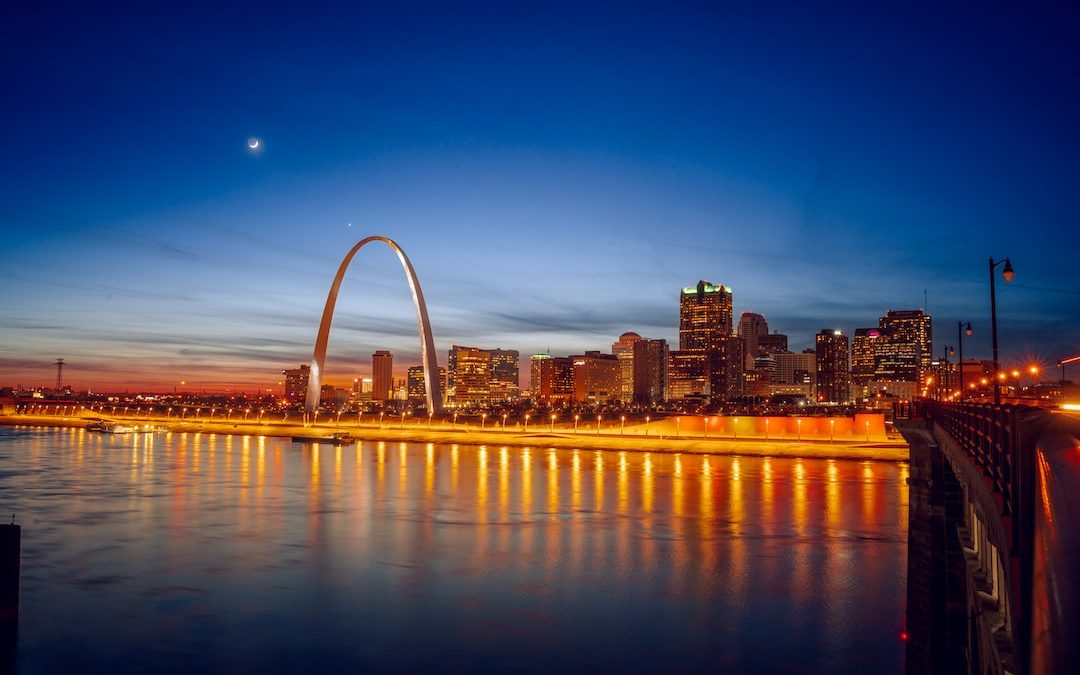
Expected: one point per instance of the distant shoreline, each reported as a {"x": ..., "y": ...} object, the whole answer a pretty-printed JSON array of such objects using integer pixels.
[{"x": 883, "y": 450}]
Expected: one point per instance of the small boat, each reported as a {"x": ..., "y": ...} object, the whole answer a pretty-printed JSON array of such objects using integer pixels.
[
  {"x": 340, "y": 438},
  {"x": 107, "y": 427}
]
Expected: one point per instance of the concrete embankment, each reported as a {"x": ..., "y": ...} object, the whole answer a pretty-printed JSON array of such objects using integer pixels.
[{"x": 632, "y": 440}]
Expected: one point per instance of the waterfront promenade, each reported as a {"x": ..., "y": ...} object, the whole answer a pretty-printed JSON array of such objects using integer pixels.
[{"x": 687, "y": 435}]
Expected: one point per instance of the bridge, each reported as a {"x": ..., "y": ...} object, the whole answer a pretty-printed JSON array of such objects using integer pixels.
[{"x": 994, "y": 539}]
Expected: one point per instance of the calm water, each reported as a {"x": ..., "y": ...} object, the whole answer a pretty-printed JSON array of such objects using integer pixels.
[{"x": 185, "y": 552}]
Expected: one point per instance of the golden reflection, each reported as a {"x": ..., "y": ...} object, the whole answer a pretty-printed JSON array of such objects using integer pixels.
[
  {"x": 798, "y": 499},
  {"x": 677, "y": 485},
  {"x": 624, "y": 484},
  {"x": 245, "y": 461},
  {"x": 735, "y": 498},
  {"x": 211, "y": 441},
  {"x": 260, "y": 467},
  {"x": 575, "y": 481},
  {"x": 403, "y": 468},
  {"x": 314, "y": 469},
  {"x": 647, "y": 484},
  {"x": 526, "y": 482},
  {"x": 380, "y": 463},
  {"x": 832, "y": 495},
  {"x": 504, "y": 482},
  {"x": 453, "y": 467},
  {"x": 706, "y": 502},
  {"x": 869, "y": 487},
  {"x": 598, "y": 482},
  {"x": 482, "y": 484},
  {"x": 768, "y": 491},
  {"x": 553, "y": 482},
  {"x": 429, "y": 470}
]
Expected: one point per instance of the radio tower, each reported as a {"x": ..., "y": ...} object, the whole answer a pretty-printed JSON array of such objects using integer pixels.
[{"x": 59, "y": 374}]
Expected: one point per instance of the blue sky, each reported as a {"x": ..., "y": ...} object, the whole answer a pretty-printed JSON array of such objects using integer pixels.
[{"x": 556, "y": 172}]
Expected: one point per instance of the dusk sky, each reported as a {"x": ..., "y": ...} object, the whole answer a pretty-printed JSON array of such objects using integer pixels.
[{"x": 556, "y": 172}]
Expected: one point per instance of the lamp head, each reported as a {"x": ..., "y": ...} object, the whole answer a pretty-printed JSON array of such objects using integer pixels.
[
  {"x": 967, "y": 328},
  {"x": 1008, "y": 274}
]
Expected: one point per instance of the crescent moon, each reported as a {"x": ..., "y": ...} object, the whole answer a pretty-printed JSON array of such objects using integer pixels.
[{"x": 253, "y": 143}]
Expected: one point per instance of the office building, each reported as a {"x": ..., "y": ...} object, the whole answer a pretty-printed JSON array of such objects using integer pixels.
[
  {"x": 833, "y": 372},
  {"x": 505, "y": 365},
  {"x": 705, "y": 329},
  {"x": 296, "y": 383},
  {"x": 903, "y": 349},
  {"x": 596, "y": 377},
  {"x": 623, "y": 349},
  {"x": 415, "y": 388},
  {"x": 471, "y": 375},
  {"x": 382, "y": 376},
  {"x": 650, "y": 364}
]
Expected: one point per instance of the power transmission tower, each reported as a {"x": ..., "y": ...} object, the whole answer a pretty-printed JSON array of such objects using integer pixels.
[{"x": 59, "y": 374}]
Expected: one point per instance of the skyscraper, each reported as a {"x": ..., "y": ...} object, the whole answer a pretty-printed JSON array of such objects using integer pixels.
[
  {"x": 773, "y": 343},
  {"x": 864, "y": 349},
  {"x": 752, "y": 326},
  {"x": 415, "y": 386},
  {"x": 650, "y": 371},
  {"x": 505, "y": 365},
  {"x": 552, "y": 378},
  {"x": 704, "y": 316},
  {"x": 706, "y": 340},
  {"x": 296, "y": 381},
  {"x": 382, "y": 376},
  {"x": 833, "y": 373},
  {"x": 472, "y": 375},
  {"x": 906, "y": 351},
  {"x": 596, "y": 377},
  {"x": 623, "y": 349}
]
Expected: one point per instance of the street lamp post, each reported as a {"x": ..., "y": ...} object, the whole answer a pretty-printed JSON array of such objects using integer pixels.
[
  {"x": 962, "y": 328},
  {"x": 1008, "y": 275}
]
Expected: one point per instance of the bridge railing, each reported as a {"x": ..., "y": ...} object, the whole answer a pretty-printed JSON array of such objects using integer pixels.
[{"x": 1030, "y": 460}]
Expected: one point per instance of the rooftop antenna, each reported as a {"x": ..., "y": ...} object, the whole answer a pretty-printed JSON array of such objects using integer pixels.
[{"x": 59, "y": 373}]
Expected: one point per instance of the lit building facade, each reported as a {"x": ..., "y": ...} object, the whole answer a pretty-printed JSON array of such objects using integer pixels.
[
  {"x": 382, "y": 376},
  {"x": 623, "y": 350},
  {"x": 833, "y": 371},
  {"x": 864, "y": 350},
  {"x": 471, "y": 371},
  {"x": 552, "y": 379},
  {"x": 414, "y": 384},
  {"x": 597, "y": 377},
  {"x": 705, "y": 315},
  {"x": 505, "y": 367},
  {"x": 904, "y": 348},
  {"x": 688, "y": 374},
  {"x": 296, "y": 383}
]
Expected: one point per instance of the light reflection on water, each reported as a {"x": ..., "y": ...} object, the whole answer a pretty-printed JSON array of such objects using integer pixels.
[{"x": 177, "y": 552}]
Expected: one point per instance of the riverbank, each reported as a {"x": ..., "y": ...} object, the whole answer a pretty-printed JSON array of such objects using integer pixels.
[{"x": 632, "y": 439}]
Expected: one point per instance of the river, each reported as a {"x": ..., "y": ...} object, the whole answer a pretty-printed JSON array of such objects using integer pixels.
[{"x": 172, "y": 553}]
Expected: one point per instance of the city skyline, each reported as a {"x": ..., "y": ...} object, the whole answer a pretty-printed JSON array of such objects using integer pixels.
[{"x": 546, "y": 197}]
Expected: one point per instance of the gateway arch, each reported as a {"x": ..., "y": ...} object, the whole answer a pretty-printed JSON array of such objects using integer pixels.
[{"x": 427, "y": 343}]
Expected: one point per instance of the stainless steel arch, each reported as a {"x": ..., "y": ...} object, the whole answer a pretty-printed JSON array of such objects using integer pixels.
[{"x": 427, "y": 343}]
